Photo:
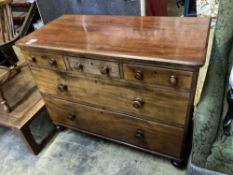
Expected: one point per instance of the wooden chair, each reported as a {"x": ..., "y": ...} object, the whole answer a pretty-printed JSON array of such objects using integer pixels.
[
  {"x": 7, "y": 33},
  {"x": 26, "y": 107},
  {"x": 8, "y": 37},
  {"x": 20, "y": 101},
  {"x": 6, "y": 21}
]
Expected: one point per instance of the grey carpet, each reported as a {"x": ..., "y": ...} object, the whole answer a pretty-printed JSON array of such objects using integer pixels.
[{"x": 73, "y": 153}]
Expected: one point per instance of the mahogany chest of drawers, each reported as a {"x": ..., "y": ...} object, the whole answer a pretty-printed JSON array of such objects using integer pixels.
[{"x": 127, "y": 79}]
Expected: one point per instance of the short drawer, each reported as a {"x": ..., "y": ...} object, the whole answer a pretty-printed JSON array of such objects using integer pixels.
[
  {"x": 45, "y": 60},
  {"x": 149, "y": 103},
  {"x": 92, "y": 66},
  {"x": 144, "y": 134},
  {"x": 158, "y": 76}
]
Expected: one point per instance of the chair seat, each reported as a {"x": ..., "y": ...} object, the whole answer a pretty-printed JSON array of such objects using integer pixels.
[{"x": 23, "y": 98}]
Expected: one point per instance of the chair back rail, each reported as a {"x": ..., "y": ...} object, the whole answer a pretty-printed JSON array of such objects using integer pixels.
[{"x": 7, "y": 31}]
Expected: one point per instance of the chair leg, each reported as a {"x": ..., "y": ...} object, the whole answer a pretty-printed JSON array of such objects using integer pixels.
[
  {"x": 9, "y": 54},
  {"x": 30, "y": 141},
  {"x": 3, "y": 102},
  {"x": 2, "y": 24},
  {"x": 10, "y": 21}
]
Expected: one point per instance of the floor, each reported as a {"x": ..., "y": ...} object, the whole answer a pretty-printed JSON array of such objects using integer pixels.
[{"x": 73, "y": 153}]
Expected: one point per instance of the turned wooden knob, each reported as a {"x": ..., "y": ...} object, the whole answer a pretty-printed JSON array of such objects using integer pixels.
[
  {"x": 78, "y": 66},
  {"x": 71, "y": 116},
  {"x": 62, "y": 87},
  {"x": 52, "y": 62},
  {"x": 138, "y": 103},
  {"x": 104, "y": 70},
  {"x": 6, "y": 107},
  {"x": 139, "y": 134},
  {"x": 139, "y": 75},
  {"x": 173, "y": 80},
  {"x": 32, "y": 59}
]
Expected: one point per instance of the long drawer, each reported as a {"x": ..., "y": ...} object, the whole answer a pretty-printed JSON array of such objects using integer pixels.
[
  {"x": 151, "y": 104},
  {"x": 144, "y": 134}
]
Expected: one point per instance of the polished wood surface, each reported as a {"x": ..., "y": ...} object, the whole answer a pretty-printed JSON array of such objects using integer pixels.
[
  {"x": 158, "y": 76},
  {"x": 156, "y": 104},
  {"x": 154, "y": 136},
  {"x": 128, "y": 79},
  {"x": 156, "y": 39}
]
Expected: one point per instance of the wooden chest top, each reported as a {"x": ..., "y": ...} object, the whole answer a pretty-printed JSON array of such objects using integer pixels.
[{"x": 157, "y": 39}]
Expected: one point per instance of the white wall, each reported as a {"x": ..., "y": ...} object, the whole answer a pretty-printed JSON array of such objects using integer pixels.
[{"x": 143, "y": 8}]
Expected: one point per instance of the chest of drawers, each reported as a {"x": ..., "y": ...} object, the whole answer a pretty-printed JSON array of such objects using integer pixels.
[{"x": 127, "y": 79}]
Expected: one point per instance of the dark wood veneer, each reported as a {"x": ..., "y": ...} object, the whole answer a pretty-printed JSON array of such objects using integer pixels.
[
  {"x": 164, "y": 39},
  {"x": 145, "y": 134},
  {"x": 165, "y": 105}
]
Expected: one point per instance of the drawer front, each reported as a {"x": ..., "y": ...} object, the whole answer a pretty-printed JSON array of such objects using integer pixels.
[
  {"x": 151, "y": 104},
  {"x": 158, "y": 76},
  {"x": 144, "y": 134},
  {"x": 95, "y": 67},
  {"x": 45, "y": 60}
]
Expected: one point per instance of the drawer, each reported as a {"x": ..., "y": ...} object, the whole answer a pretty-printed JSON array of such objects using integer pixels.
[
  {"x": 144, "y": 134},
  {"x": 45, "y": 60},
  {"x": 95, "y": 67},
  {"x": 158, "y": 76},
  {"x": 149, "y": 103}
]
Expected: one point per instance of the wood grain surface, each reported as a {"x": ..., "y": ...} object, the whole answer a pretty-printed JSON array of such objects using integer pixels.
[
  {"x": 150, "y": 135},
  {"x": 95, "y": 67},
  {"x": 24, "y": 99},
  {"x": 158, "y": 76},
  {"x": 162, "y": 39},
  {"x": 158, "y": 104},
  {"x": 44, "y": 60},
  {"x": 127, "y": 79}
]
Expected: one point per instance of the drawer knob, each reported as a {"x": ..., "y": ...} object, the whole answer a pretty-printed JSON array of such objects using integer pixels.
[
  {"x": 62, "y": 87},
  {"x": 104, "y": 70},
  {"x": 139, "y": 75},
  {"x": 139, "y": 134},
  {"x": 71, "y": 116},
  {"x": 32, "y": 59},
  {"x": 52, "y": 62},
  {"x": 78, "y": 66},
  {"x": 138, "y": 103},
  {"x": 173, "y": 80}
]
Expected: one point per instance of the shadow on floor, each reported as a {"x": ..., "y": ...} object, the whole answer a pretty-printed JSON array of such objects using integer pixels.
[{"x": 74, "y": 153}]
